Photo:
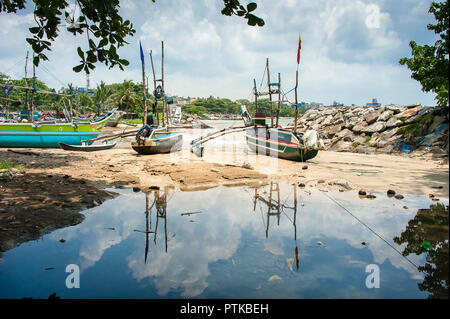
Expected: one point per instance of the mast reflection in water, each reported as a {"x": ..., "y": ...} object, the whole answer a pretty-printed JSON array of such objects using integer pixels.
[{"x": 274, "y": 241}]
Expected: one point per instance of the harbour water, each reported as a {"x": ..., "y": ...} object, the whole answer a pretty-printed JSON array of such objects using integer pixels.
[{"x": 238, "y": 242}]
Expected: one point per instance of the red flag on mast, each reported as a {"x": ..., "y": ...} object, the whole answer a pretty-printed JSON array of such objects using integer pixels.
[{"x": 299, "y": 48}]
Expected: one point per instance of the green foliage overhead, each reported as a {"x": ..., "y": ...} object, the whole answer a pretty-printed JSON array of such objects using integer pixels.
[
  {"x": 100, "y": 21},
  {"x": 430, "y": 63}
]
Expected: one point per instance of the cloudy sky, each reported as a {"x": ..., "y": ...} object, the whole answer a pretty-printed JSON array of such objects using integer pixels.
[{"x": 350, "y": 48}]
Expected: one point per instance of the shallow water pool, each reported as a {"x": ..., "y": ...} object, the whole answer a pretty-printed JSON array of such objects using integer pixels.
[{"x": 275, "y": 241}]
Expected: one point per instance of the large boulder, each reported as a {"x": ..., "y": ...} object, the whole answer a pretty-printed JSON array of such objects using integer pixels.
[
  {"x": 375, "y": 127},
  {"x": 385, "y": 115},
  {"x": 359, "y": 127},
  {"x": 410, "y": 112},
  {"x": 327, "y": 120},
  {"x": 351, "y": 122},
  {"x": 412, "y": 119},
  {"x": 393, "y": 122},
  {"x": 366, "y": 111},
  {"x": 342, "y": 146},
  {"x": 372, "y": 117},
  {"x": 330, "y": 111},
  {"x": 348, "y": 115},
  {"x": 339, "y": 119},
  {"x": 314, "y": 115},
  {"x": 330, "y": 131},
  {"x": 390, "y": 133},
  {"x": 345, "y": 134},
  {"x": 396, "y": 108}
]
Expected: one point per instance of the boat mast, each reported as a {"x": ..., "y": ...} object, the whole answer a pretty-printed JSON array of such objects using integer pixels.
[
  {"x": 296, "y": 101},
  {"x": 296, "y": 81},
  {"x": 166, "y": 111},
  {"x": 256, "y": 96},
  {"x": 143, "y": 86},
  {"x": 279, "y": 98},
  {"x": 154, "y": 88},
  {"x": 270, "y": 92},
  {"x": 34, "y": 90},
  {"x": 26, "y": 84}
]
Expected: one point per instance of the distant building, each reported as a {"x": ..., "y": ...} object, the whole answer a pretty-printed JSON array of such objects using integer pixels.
[
  {"x": 84, "y": 90},
  {"x": 335, "y": 104},
  {"x": 374, "y": 103}
]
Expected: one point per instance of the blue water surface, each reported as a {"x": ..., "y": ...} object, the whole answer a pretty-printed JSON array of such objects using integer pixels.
[{"x": 229, "y": 246}]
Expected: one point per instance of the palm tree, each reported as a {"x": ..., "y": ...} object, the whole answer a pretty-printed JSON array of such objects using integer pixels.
[
  {"x": 85, "y": 102},
  {"x": 102, "y": 93},
  {"x": 70, "y": 89},
  {"x": 125, "y": 96}
]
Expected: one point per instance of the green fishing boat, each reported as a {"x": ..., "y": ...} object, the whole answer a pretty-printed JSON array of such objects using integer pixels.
[
  {"x": 49, "y": 135},
  {"x": 273, "y": 140}
]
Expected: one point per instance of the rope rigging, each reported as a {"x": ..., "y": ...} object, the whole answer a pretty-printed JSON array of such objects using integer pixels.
[{"x": 373, "y": 231}]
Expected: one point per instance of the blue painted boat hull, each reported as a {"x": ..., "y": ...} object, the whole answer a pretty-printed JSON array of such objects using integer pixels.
[{"x": 44, "y": 139}]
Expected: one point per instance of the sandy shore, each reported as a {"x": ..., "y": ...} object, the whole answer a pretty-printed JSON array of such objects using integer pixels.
[{"x": 56, "y": 184}]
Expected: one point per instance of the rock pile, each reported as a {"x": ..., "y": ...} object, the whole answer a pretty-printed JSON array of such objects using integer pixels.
[{"x": 386, "y": 129}]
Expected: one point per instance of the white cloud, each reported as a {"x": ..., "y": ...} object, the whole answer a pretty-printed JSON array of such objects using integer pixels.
[{"x": 207, "y": 53}]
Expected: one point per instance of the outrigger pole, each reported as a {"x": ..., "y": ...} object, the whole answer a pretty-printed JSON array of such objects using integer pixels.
[
  {"x": 197, "y": 144},
  {"x": 38, "y": 90}
]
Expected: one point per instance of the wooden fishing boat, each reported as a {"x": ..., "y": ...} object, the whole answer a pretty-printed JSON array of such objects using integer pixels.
[
  {"x": 115, "y": 119},
  {"x": 274, "y": 140},
  {"x": 271, "y": 140},
  {"x": 48, "y": 135},
  {"x": 41, "y": 133},
  {"x": 86, "y": 148},
  {"x": 160, "y": 140},
  {"x": 279, "y": 142},
  {"x": 156, "y": 138}
]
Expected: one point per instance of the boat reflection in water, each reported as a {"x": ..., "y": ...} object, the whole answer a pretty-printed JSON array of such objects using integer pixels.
[
  {"x": 160, "y": 204},
  {"x": 240, "y": 242},
  {"x": 275, "y": 208}
]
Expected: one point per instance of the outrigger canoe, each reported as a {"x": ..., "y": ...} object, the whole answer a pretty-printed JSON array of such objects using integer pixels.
[
  {"x": 49, "y": 135},
  {"x": 86, "y": 148}
]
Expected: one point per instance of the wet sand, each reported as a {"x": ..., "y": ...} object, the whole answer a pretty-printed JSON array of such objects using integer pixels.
[{"x": 56, "y": 184}]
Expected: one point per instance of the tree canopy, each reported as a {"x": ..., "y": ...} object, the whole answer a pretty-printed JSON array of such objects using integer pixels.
[
  {"x": 106, "y": 31},
  {"x": 430, "y": 63}
]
